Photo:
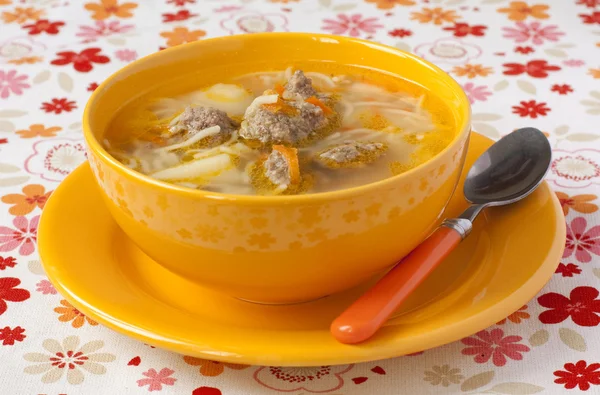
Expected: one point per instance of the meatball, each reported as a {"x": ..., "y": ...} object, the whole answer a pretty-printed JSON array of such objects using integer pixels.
[
  {"x": 195, "y": 119},
  {"x": 351, "y": 154},
  {"x": 277, "y": 169},
  {"x": 283, "y": 122},
  {"x": 301, "y": 85}
]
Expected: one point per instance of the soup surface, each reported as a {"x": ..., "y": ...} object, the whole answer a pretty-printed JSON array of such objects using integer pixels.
[{"x": 293, "y": 131}]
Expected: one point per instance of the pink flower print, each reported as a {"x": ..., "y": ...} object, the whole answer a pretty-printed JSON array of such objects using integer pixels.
[
  {"x": 574, "y": 62},
  {"x": 352, "y": 25},
  {"x": 449, "y": 51},
  {"x": 532, "y": 31},
  {"x": 476, "y": 93},
  {"x": 10, "y": 81},
  {"x": 102, "y": 29},
  {"x": 155, "y": 380},
  {"x": 126, "y": 55},
  {"x": 45, "y": 287},
  {"x": 24, "y": 235},
  {"x": 254, "y": 22},
  {"x": 495, "y": 345},
  {"x": 228, "y": 8},
  {"x": 582, "y": 242},
  {"x": 575, "y": 169}
]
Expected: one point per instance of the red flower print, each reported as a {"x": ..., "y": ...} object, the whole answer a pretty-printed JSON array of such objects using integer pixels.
[
  {"x": 43, "y": 26},
  {"x": 582, "y": 242},
  {"x": 9, "y": 261},
  {"x": 180, "y": 15},
  {"x": 207, "y": 391},
  {"x": 535, "y": 68},
  {"x": 4, "y": 141},
  {"x": 59, "y": 105},
  {"x": 582, "y": 306},
  {"x": 9, "y": 293},
  {"x": 352, "y": 25},
  {"x": 568, "y": 270},
  {"x": 180, "y": 3},
  {"x": 24, "y": 235},
  {"x": 591, "y": 18},
  {"x": 563, "y": 89},
  {"x": 494, "y": 345},
  {"x": 155, "y": 380},
  {"x": 589, "y": 3},
  {"x": 10, "y": 336},
  {"x": 400, "y": 33},
  {"x": 92, "y": 86},
  {"x": 579, "y": 374},
  {"x": 531, "y": 109},
  {"x": 464, "y": 29},
  {"x": 83, "y": 60},
  {"x": 45, "y": 287},
  {"x": 524, "y": 50}
]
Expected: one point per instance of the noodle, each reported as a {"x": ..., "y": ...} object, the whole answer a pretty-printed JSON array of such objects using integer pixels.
[{"x": 211, "y": 131}]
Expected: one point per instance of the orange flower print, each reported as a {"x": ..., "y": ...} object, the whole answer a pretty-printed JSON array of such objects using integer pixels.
[
  {"x": 519, "y": 11},
  {"x": 318, "y": 234},
  {"x": 181, "y": 35},
  {"x": 387, "y": 4},
  {"x": 595, "y": 73},
  {"x": 70, "y": 313},
  {"x": 26, "y": 60},
  {"x": 33, "y": 196},
  {"x": 5, "y": 2},
  {"x": 38, "y": 130},
  {"x": 212, "y": 368},
  {"x": 262, "y": 240},
  {"x": 351, "y": 216},
  {"x": 106, "y": 8},
  {"x": 436, "y": 15},
  {"x": 184, "y": 233},
  {"x": 516, "y": 317},
  {"x": 579, "y": 203},
  {"x": 209, "y": 233},
  {"x": 309, "y": 217},
  {"x": 472, "y": 70},
  {"x": 22, "y": 15}
]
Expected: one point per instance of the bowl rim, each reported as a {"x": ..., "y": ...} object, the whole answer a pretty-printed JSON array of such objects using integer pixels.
[{"x": 96, "y": 147}]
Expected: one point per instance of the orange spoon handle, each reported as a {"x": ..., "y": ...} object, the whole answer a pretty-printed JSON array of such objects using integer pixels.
[{"x": 367, "y": 314}]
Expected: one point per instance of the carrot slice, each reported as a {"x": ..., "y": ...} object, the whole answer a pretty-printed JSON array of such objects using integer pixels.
[
  {"x": 281, "y": 106},
  {"x": 291, "y": 155},
  {"x": 152, "y": 138},
  {"x": 279, "y": 89},
  {"x": 316, "y": 102}
]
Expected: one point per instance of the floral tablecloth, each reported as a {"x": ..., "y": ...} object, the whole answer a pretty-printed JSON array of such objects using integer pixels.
[{"x": 534, "y": 62}]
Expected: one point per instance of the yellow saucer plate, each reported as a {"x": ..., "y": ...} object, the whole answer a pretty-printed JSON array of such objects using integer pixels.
[{"x": 508, "y": 258}]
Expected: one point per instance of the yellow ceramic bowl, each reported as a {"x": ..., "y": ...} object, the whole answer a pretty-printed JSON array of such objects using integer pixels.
[{"x": 286, "y": 248}]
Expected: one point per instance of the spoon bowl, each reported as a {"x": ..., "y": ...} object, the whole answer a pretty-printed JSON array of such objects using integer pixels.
[{"x": 510, "y": 169}]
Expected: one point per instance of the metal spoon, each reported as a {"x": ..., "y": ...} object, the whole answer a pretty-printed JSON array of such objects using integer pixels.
[{"x": 508, "y": 171}]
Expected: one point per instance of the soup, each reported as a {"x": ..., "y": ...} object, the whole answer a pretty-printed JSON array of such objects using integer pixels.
[{"x": 283, "y": 132}]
